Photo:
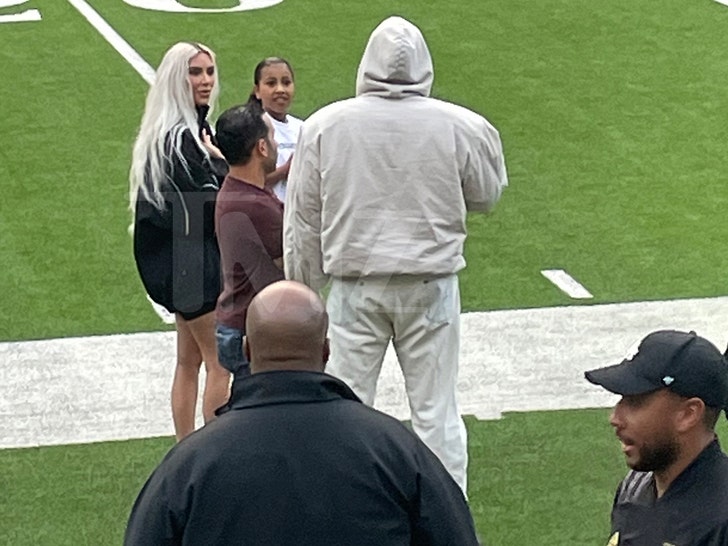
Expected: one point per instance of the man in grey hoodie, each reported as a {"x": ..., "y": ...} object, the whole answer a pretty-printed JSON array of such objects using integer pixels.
[{"x": 377, "y": 199}]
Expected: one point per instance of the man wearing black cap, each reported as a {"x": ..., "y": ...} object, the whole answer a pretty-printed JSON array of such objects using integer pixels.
[{"x": 673, "y": 389}]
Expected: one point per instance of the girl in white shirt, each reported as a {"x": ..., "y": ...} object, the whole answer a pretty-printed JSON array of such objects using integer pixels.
[{"x": 275, "y": 88}]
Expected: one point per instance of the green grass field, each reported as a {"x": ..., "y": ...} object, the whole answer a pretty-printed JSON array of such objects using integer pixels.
[
  {"x": 536, "y": 478},
  {"x": 613, "y": 121}
]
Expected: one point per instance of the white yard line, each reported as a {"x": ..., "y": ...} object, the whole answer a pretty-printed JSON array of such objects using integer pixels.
[
  {"x": 27, "y": 16},
  {"x": 116, "y": 41},
  {"x": 566, "y": 283},
  {"x": 75, "y": 390}
]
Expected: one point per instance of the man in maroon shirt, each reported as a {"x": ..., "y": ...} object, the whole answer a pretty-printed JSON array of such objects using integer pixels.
[{"x": 248, "y": 223}]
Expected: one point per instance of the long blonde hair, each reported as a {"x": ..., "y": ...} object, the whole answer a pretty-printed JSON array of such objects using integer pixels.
[{"x": 169, "y": 111}]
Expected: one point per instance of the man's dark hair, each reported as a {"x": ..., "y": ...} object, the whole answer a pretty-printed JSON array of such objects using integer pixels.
[{"x": 238, "y": 129}]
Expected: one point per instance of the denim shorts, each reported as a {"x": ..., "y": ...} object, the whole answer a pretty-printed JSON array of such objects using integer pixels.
[{"x": 230, "y": 349}]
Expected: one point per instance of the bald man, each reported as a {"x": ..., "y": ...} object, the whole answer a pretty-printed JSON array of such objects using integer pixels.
[
  {"x": 298, "y": 459},
  {"x": 287, "y": 330}
]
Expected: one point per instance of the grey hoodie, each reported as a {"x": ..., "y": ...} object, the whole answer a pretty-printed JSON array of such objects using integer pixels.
[
  {"x": 381, "y": 183},
  {"x": 396, "y": 62}
]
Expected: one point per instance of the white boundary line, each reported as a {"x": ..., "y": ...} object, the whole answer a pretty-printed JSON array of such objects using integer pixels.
[
  {"x": 174, "y": 6},
  {"x": 567, "y": 284},
  {"x": 31, "y": 15},
  {"x": 116, "y": 41},
  {"x": 74, "y": 390}
]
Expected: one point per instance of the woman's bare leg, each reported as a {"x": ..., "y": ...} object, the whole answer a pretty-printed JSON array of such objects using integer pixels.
[
  {"x": 217, "y": 381},
  {"x": 185, "y": 382}
]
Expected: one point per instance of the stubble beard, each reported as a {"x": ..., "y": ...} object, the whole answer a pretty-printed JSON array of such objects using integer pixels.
[{"x": 658, "y": 457}]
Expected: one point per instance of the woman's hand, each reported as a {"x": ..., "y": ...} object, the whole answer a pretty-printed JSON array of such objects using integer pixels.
[{"x": 210, "y": 147}]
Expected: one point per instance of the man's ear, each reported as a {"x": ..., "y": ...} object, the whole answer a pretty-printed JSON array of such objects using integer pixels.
[
  {"x": 262, "y": 147},
  {"x": 691, "y": 414}
]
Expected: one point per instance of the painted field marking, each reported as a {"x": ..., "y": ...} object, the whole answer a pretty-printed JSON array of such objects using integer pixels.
[
  {"x": 76, "y": 390},
  {"x": 174, "y": 6},
  {"x": 23, "y": 17},
  {"x": 567, "y": 284},
  {"x": 116, "y": 41}
]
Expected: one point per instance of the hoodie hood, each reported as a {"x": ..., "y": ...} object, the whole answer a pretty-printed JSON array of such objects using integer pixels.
[{"x": 396, "y": 62}]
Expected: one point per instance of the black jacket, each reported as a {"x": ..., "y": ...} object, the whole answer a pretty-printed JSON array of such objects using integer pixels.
[
  {"x": 299, "y": 461},
  {"x": 175, "y": 248},
  {"x": 692, "y": 512}
]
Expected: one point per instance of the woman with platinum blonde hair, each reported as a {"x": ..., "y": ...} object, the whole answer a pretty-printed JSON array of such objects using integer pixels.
[{"x": 175, "y": 174}]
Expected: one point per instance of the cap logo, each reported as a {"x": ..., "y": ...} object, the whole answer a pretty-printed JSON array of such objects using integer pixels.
[{"x": 667, "y": 380}]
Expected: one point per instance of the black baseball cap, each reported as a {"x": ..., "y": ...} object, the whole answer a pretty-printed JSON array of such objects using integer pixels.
[{"x": 682, "y": 362}]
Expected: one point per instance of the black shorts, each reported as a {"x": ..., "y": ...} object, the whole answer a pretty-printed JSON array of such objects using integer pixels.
[{"x": 207, "y": 307}]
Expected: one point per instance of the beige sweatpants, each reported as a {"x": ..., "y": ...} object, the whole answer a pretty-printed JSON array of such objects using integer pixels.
[{"x": 421, "y": 315}]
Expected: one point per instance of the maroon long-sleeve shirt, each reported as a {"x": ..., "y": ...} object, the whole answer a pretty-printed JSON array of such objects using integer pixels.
[{"x": 249, "y": 227}]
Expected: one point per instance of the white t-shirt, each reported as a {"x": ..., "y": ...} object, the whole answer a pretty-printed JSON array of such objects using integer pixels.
[{"x": 286, "y": 136}]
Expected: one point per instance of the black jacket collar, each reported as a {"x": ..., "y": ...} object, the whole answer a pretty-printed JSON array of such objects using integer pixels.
[
  {"x": 202, "y": 110},
  {"x": 287, "y": 387},
  {"x": 688, "y": 477},
  {"x": 646, "y": 492}
]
